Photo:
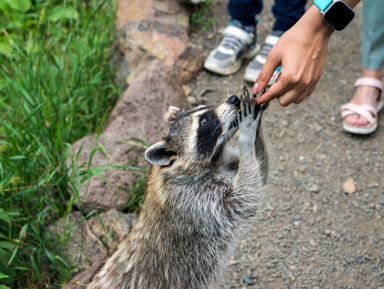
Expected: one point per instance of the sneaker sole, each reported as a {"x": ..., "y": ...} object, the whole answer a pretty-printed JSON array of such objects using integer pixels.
[{"x": 213, "y": 67}]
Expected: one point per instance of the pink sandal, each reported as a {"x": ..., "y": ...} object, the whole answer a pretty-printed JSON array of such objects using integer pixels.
[{"x": 367, "y": 111}]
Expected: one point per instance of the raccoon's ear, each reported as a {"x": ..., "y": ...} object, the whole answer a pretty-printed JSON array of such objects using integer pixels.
[
  {"x": 158, "y": 154},
  {"x": 172, "y": 110}
]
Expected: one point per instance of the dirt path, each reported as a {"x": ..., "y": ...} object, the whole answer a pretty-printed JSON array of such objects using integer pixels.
[{"x": 311, "y": 234}]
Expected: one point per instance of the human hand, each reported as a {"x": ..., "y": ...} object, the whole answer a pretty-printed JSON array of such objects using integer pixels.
[{"x": 301, "y": 53}]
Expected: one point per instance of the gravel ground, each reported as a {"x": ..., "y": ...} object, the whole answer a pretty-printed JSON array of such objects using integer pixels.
[{"x": 311, "y": 234}]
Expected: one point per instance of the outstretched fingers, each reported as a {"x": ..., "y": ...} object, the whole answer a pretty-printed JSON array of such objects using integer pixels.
[
  {"x": 287, "y": 90},
  {"x": 275, "y": 91},
  {"x": 266, "y": 73}
]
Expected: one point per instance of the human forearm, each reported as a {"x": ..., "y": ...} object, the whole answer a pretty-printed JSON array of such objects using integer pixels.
[
  {"x": 301, "y": 53},
  {"x": 352, "y": 3}
]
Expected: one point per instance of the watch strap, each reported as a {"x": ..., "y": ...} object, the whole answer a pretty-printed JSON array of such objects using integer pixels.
[{"x": 322, "y": 4}]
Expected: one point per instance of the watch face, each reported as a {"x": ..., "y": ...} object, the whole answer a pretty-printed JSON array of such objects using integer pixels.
[{"x": 339, "y": 15}]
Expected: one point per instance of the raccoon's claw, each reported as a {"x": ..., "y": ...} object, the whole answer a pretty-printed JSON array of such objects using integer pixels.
[
  {"x": 244, "y": 107},
  {"x": 249, "y": 106},
  {"x": 264, "y": 106},
  {"x": 256, "y": 110}
]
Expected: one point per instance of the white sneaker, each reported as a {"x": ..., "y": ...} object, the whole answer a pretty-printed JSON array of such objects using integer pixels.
[
  {"x": 236, "y": 45},
  {"x": 253, "y": 69}
]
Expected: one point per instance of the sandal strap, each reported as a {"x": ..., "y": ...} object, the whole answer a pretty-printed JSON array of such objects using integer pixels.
[
  {"x": 370, "y": 81},
  {"x": 367, "y": 111}
]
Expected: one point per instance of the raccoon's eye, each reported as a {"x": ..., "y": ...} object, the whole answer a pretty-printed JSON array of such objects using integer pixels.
[{"x": 204, "y": 121}]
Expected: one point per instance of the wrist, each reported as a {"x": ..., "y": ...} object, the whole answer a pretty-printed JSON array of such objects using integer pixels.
[
  {"x": 313, "y": 19},
  {"x": 336, "y": 13}
]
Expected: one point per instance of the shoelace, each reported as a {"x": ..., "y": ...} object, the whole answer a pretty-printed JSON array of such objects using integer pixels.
[
  {"x": 232, "y": 43},
  {"x": 265, "y": 50}
]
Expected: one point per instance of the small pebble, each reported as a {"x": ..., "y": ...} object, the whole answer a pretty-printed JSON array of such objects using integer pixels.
[
  {"x": 359, "y": 260},
  {"x": 372, "y": 206},
  {"x": 314, "y": 189},
  {"x": 247, "y": 280},
  {"x": 192, "y": 100},
  {"x": 296, "y": 218},
  {"x": 382, "y": 202},
  {"x": 312, "y": 243}
]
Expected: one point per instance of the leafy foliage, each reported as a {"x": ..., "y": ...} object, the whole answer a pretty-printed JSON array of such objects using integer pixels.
[
  {"x": 56, "y": 85},
  {"x": 201, "y": 18}
]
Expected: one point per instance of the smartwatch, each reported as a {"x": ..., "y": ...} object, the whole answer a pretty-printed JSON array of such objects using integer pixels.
[{"x": 336, "y": 13}]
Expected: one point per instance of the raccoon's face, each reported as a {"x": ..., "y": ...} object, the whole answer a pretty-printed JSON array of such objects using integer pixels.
[{"x": 195, "y": 135}]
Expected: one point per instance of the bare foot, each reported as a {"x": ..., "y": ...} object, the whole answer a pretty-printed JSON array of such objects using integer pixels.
[{"x": 365, "y": 95}]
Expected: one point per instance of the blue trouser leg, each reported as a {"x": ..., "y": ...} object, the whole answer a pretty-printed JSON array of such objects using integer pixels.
[
  {"x": 286, "y": 12},
  {"x": 373, "y": 34},
  {"x": 245, "y": 10}
]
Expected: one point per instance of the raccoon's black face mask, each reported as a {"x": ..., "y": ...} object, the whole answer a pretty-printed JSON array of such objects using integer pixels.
[{"x": 195, "y": 134}]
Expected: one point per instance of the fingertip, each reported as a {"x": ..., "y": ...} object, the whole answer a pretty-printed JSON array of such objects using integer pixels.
[
  {"x": 263, "y": 98},
  {"x": 282, "y": 102},
  {"x": 256, "y": 87},
  {"x": 267, "y": 71},
  {"x": 274, "y": 91},
  {"x": 262, "y": 82}
]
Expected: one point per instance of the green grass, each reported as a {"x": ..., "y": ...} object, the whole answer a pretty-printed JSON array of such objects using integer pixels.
[
  {"x": 201, "y": 16},
  {"x": 56, "y": 85}
]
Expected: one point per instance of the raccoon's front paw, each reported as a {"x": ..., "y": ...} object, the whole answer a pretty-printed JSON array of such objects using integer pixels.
[{"x": 248, "y": 116}]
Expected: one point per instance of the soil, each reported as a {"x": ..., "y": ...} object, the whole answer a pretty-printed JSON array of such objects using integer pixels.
[{"x": 311, "y": 233}]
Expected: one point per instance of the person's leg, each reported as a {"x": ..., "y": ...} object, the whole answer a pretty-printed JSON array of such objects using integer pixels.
[
  {"x": 372, "y": 58},
  {"x": 373, "y": 34},
  {"x": 286, "y": 13},
  {"x": 244, "y": 10},
  {"x": 239, "y": 41}
]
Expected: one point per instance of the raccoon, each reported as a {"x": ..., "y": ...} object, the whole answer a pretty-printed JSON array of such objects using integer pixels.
[{"x": 200, "y": 192}]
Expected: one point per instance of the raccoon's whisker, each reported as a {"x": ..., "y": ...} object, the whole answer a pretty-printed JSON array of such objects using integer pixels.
[{"x": 215, "y": 129}]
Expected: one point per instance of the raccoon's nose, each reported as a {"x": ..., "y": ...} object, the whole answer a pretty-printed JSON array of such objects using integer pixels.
[{"x": 234, "y": 100}]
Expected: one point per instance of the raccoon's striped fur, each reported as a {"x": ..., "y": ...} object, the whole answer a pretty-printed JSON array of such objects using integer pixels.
[{"x": 200, "y": 191}]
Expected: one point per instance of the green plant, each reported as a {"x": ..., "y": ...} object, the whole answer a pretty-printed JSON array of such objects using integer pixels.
[
  {"x": 3, "y": 276},
  {"x": 56, "y": 85},
  {"x": 136, "y": 195},
  {"x": 200, "y": 18}
]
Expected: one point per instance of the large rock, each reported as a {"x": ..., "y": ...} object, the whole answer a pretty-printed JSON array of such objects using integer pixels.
[
  {"x": 81, "y": 280},
  {"x": 139, "y": 114},
  {"x": 157, "y": 28},
  {"x": 118, "y": 223},
  {"x": 82, "y": 247}
]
